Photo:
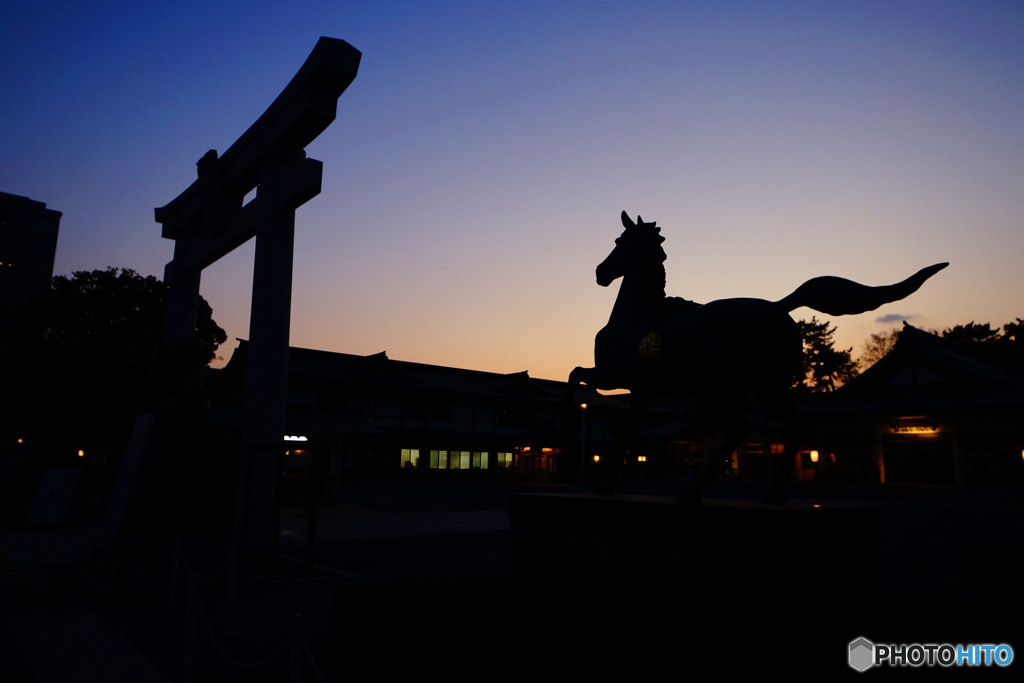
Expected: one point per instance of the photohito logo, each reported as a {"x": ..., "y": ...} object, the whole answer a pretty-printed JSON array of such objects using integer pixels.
[{"x": 863, "y": 654}]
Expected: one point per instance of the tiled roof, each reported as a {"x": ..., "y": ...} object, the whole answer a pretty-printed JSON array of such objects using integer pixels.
[
  {"x": 926, "y": 372},
  {"x": 326, "y": 366}
]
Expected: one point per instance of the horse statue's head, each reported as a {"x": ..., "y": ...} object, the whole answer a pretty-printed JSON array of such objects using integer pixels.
[{"x": 638, "y": 245}]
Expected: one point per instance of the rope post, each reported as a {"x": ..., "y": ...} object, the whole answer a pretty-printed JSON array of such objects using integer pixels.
[
  {"x": 232, "y": 584},
  {"x": 174, "y": 571},
  {"x": 190, "y": 628},
  {"x": 295, "y": 656}
]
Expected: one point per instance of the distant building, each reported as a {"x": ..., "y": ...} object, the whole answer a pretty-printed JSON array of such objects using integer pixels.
[
  {"x": 371, "y": 417},
  {"x": 28, "y": 243},
  {"x": 932, "y": 411}
]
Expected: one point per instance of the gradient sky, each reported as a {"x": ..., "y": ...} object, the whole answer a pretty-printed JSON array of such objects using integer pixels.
[{"x": 476, "y": 170}]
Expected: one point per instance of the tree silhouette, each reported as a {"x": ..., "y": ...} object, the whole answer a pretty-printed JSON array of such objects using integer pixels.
[
  {"x": 824, "y": 366},
  {"x": 79, "y": 357},
  {"x": 1009, "y": 339},
  {"x": 972, "y": 333},
  {"x": 1013, "y": 333},
  {"x": 877, "y": 346}
]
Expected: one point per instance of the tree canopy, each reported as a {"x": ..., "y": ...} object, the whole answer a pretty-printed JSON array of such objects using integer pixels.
[
  {"x": 114, "y": 312},
  {"x": 81, "y": 352},
  {"x": 824, "y": 367},
  {"x": 972, "y": 333},
  {"x": 877, "y": 346},
  {"x": 978, "y": 334},
  {"x": 1009, "y": 337}
]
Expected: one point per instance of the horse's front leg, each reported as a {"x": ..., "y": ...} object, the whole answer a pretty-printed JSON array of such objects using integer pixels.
[
  {"x": 598, "y": 378},
  {"x": 570, "y": 414},
  {"x": 638, "y": 403},
  {"x": 576, "y": 377},
  {"x": 570, "y": 418},
  {"x": 595, "y": 378}
]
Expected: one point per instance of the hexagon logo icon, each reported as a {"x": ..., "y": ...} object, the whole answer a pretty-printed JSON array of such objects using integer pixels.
[{"x": 862, "y": 654}]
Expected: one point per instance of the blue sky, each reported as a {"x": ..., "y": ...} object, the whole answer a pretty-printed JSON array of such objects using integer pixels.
[{"x": 476, "y": 170}]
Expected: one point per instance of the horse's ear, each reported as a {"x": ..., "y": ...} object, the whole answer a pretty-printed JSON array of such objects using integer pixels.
[
  {"x": 627, "y": 222},
  {"x": 652, "y": 224}
]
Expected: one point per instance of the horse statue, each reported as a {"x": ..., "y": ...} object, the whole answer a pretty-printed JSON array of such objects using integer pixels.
[{"x": 727, "y": 351}]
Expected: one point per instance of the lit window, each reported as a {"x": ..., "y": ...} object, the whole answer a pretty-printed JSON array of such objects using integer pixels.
[
  {"x": 410, "y": 457},
  {"x": 504, "y": 460},
  {"x": 438, "y": 460},
  {"x": 480, "y": 460},
  {"x": 459, "y": 460}
]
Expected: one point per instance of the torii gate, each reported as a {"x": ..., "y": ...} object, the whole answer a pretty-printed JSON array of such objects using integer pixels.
[{"x": 208, "y": 220}]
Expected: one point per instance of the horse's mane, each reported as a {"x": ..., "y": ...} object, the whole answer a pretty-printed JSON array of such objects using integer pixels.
[{"x": 676, "y": 305}]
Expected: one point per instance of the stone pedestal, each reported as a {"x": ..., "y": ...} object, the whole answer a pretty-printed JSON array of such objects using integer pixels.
[{"x": 641, "y": 581}]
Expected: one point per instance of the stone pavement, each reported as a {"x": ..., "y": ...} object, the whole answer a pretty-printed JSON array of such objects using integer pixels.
[
  {"x": 59, "y": 627},
  {"x": 408, "y": 592},
  {"x": 56, "y": 638}
]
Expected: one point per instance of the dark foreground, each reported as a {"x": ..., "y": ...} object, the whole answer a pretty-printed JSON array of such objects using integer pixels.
[{"x": 413, "y": 584}]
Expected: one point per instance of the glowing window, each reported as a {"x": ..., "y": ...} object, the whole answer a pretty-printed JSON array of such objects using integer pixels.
[
  {"x": 438, "y": 460},
  {"x": 410, "y": 457},
  {"x": 459, "y": 460}
]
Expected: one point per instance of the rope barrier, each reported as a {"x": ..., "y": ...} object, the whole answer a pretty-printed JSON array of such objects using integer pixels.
[
  {"x": 309, "y": 657},
  {"x": 180, "y": 553},
  {"x": 230, "y": 564},
  {"x": 194, "y": 606},
  {"x": 223, "y": 653}
]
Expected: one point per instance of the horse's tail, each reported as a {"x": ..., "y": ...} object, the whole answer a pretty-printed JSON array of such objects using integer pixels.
[{"x": 838, "y": 296}]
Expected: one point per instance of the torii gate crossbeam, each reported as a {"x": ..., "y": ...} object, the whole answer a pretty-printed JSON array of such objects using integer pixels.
[{"x": 208, "y": 220}]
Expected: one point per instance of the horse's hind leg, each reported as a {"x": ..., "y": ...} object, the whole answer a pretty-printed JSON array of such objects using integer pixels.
[
  {"x": 783, "y": 464},
  {"x": 734, "y": 436}
]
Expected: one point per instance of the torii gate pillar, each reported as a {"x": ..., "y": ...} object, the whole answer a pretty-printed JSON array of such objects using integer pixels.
[{"x": 208, "y": 220}]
